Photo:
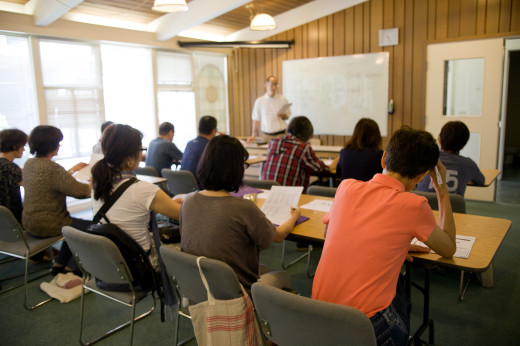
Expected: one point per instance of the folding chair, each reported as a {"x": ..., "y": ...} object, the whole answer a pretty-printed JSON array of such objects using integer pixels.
[
  {"x": 100, "y": 257},
  {"x": 16, "y": 242},
  {"x": 147, "y": 170},
  {"x": 179, "y": 182},
  {"x": 184, "y": 272},
  {"x": 260, "y": 184},
  {"x": 290, "y": 319}
]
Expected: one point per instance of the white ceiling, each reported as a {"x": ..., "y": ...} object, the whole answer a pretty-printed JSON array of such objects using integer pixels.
[{"x": 190, "y": 24}]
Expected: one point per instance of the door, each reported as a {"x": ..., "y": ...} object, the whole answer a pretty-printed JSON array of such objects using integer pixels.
[{"x": 464, "y": 82}]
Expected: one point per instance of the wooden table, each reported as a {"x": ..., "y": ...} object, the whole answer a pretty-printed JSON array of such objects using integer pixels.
[
  {"x": 489, "y": 233},
  {"x": 489, "y": 174}
]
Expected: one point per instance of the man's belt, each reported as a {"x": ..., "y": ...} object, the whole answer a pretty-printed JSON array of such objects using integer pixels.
[{"x": 274, "y": 133}]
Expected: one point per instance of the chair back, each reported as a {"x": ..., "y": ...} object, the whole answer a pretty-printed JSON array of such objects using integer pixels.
[
  {"x": 10, "y": 228},
  {"x": 182, "y": 266},
  {"x": 260, "y": 184},
  {"x": 98, "y": 255},
  {"x": 323, "y": 191},
  {"x": 148, "y": 170},
  {"x": 458, "y": 204},
  {"x": 290, "y": 319},
  {"x": 179, "y": 181}
]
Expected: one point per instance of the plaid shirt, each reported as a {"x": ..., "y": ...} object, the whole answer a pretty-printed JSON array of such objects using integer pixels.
[{"x": 290, "y": 162}]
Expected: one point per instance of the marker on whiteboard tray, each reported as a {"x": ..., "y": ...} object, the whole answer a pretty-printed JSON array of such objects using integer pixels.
[{"x": 391, "y": 107}]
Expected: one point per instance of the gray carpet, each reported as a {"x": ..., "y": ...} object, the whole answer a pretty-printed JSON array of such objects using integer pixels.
[{"x": 487, "y": 316}]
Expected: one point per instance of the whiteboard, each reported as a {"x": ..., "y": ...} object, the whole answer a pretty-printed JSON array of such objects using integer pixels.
[{"x": 335, "y": 92}]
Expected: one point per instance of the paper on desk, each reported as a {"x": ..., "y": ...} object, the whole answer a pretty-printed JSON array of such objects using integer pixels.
[
  {"x": 464, "y": 244},
  {"x": 277, "y": 206},
  {"x": 319, "y": 205},
  {"x": 84, "y": 173}
]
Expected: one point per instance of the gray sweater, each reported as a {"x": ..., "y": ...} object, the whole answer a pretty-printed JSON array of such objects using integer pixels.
[{"x": 46, "y": 185}]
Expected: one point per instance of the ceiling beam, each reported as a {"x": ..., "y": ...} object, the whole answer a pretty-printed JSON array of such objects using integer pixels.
[
  {"x": 298, "y": 16},
  {"x": 46, "y": 12},
  {"x": 199, "y": 12}
]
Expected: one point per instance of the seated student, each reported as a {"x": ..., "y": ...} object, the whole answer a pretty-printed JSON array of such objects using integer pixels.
[
  {"x": 227, "y": 228},
  {"x": 46, "y": 186},
  {"x": 361, "y": 157},
  {"x": 122, "y": 150},
  {"x": 290, "y": 160},
  {"x": 368, "y": 231},
  {"x": 195, "y": 147},
  {"x": 12, "y": 142},
  {"x": 162, "y": 152},
  {"x": 460, "y": 170},
  {"x": 97, "y": 147}
]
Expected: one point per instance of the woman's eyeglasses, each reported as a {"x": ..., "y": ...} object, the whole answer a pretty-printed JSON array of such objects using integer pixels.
[
  {"x": 246, "y": 165},
  {"x": 142, "y": 149}
]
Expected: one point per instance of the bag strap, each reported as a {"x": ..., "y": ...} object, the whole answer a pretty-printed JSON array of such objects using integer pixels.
[
  {"x": 111, "y": 200},
  {"x": 211, "y": 299}
]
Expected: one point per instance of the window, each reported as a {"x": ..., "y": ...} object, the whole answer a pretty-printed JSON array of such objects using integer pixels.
[{"x": 73, "y": 93}]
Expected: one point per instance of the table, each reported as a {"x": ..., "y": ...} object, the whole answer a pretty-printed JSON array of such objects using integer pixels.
[
  {"x": 322, "y": 151},
  {"x": 489, "y": 174},
  {"x": 150, "y": 179},
  {"x": 489, "y": 233}
]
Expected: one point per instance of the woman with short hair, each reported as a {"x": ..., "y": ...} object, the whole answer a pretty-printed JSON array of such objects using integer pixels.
[
  {"x": 12, "y": 142},
  {"x": 220, "y": 226},
  {"x": 47, "y": 185}
]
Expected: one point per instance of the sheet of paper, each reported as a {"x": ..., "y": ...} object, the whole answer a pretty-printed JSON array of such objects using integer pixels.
[
  {"x": 84, "y": 173},
  {"x": 464, "y": 245},
  {"x": 319, "y": 205},
  {"x": 277, "y": 206},
  {"x": 284, "y": 108}
]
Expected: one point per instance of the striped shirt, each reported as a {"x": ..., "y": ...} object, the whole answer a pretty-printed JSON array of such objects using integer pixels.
[{"x": 290, "y": 161}]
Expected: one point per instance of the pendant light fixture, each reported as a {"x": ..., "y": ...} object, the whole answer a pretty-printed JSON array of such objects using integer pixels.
[
  {"x": 262, "y": 22},
  {"x": 170, "y": 5}
]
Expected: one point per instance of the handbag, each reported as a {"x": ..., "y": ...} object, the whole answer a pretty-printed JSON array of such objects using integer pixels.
[{"x": 224, "y": 322}]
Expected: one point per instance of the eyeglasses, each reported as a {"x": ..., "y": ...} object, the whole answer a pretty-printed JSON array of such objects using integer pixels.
[
  {"x": 142, "y": 149},
  {"x": 246, "y": 165}
]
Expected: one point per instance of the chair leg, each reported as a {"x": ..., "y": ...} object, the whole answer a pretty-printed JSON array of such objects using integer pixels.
[
  {"x": 284, "y": 265},
  {"x": 26, "y": 281}
]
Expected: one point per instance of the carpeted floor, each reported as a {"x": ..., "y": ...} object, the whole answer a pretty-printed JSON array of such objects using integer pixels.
[{"x": 487, "y": 316}]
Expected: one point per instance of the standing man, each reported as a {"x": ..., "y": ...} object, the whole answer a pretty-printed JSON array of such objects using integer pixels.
[
  {"x": 270, "y": 112},
  {"x": 162, "y": 152},
  {"x": 195, "y": 147}
]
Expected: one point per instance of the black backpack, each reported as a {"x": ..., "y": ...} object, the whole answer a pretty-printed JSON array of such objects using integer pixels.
[{"x": 143, "y": 275}]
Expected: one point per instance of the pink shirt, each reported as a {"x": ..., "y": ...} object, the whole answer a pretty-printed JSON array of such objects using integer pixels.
[{"x": 370, "y": 226}]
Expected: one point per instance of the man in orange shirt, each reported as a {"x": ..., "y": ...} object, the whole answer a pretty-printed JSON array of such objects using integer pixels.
[{"x": 369, "y": 229}]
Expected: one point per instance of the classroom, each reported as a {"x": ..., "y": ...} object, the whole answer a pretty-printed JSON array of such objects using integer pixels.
[{"x": 74, "y": 64}]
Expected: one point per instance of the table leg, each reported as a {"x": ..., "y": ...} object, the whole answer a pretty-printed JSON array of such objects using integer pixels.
[{"x": 427, "y": 323}]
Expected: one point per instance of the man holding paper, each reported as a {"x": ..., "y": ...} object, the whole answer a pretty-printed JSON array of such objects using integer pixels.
[{"x": 270, "y": 112}]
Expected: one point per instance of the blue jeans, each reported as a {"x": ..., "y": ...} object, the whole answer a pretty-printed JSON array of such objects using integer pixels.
[{"x": 392, "y": 325}]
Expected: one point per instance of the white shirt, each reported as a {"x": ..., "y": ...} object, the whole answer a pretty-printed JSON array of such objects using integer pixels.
[
  {"x": 266, "y": 109},
  {"x": 131, "y": 212}
]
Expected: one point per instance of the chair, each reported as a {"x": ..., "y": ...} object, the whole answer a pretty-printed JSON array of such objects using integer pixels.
[
  {"x": 100, "y": 257},
  {"x": 148, "y": 170},
  {"x": 260, "y": 184},
  {"x": 290, "y": 319},
  {"x": 324, "y": 191},
  {"x": 179, "y": 181},
  {"x": 183, "y": 270},
  {"x": 458, "y": 205},
  {"x": 15, "y": 242}
]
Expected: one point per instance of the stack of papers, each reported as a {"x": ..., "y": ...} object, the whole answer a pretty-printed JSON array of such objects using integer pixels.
[
  {"x": 278, "y": 204},
  {"x": 84, "y": 174},
  {"x": 464, "y": 245}
]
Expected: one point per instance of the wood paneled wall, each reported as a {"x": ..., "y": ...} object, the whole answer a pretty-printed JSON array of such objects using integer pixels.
[{"x": 355, "y": 31}]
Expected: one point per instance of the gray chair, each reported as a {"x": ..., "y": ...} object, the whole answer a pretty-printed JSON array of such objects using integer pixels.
[
  {"x": 260, "y": 184},
  {"x": 288, "y": 319},
  {"x": 147, "y": 170},
  {"x": 179, "y": 181},
  {"x": 100, "y": 257},
  {"x": 183, "y": 270},
  {"x": 323, "y": 191},
  {"x": 17, "y": 243}
]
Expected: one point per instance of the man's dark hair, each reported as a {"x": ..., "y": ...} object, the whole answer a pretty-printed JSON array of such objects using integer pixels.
[
  {"x": 454, "y": 136},
  {"x": 221, "y": 166},
  {"x": 44, "y": 139},
  {"x": 165, "y": 127},
  {"x": 12, "y": 140},
  {"x": 105, "y": 125},
  {"x": 411, "y": 152},
  {"x": 207, "y": 124},
  {"x": 366, "y": 135},
  {"x": 301, "y": 128}
]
